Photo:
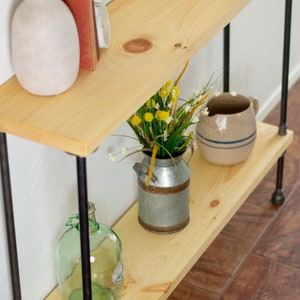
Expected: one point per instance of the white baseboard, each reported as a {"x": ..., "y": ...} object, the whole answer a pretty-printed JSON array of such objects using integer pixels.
[{"x": 275, "y": 97}]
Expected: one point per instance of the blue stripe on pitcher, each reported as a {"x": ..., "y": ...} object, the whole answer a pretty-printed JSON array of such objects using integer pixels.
[{"x": 218, "y": 144}]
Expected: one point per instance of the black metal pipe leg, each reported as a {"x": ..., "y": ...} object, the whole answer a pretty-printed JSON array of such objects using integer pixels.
[
  {"x": 285, "y": 68},
  {"x": 9, "y": 219},
  {"x": 226, "y": 58},
  {"x": 278, "y": 194},
  {"x": 84, "y": 228}
]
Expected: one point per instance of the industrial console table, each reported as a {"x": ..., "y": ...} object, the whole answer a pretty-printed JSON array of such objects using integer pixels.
[{"x": 153, "y": 271}]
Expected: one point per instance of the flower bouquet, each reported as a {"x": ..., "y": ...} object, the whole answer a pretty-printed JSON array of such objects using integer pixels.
[{"x": 161, "y": 124}]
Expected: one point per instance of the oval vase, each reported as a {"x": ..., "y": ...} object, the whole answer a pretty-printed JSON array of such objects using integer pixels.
[
  {"x": 44, "y": 46},
  {"x": 164, "y": 203}
]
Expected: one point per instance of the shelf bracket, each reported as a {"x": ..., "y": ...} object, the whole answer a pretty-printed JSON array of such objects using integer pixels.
[
  {"x": 278, "y": 195},
  {"x": 9, "y": 219},
  {"x": 84, "y": 227}
]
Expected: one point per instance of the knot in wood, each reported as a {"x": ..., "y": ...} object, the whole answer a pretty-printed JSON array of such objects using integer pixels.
[
  {"x": 179, "y": 45},
  {"x": 214, "y": 203},
  {"x": 137, "y": 46}
]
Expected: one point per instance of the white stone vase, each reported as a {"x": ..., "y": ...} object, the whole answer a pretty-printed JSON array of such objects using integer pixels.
[{"x": 44, "y": 46}]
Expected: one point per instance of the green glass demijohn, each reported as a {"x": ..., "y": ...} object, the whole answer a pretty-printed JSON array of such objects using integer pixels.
[{"x": 105, "y": 258}]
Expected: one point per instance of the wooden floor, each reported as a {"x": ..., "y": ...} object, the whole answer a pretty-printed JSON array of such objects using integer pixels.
[{"x": 257, "y": 255}]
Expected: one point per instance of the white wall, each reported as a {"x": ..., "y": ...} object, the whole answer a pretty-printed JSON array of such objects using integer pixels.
[{"x": 44, "y": 179}]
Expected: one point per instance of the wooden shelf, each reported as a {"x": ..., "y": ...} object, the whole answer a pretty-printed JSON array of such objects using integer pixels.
[
  {"x": 151, "y": 41},
  {"x": 155, "y": 264}
]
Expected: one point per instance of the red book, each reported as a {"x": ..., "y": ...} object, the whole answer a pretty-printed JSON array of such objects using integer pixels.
[{"x": 84, "y": 15}]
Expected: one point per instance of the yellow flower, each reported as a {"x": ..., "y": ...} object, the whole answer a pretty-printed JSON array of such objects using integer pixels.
[
  {"x": 161, "y": 115},
  {"x": 150, "y": 103},
  {"x": 148, "y": 117},
  {"x": 174, "y": 100},
  {"x": 175, "y": 91},
  {"x": 168, "y": 83},
  {"x": 136, "y": 120},
  {"x": 164, "y": 92}
]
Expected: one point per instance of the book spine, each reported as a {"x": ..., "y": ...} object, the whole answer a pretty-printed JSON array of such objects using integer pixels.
[{"x": 84, "y": 15}]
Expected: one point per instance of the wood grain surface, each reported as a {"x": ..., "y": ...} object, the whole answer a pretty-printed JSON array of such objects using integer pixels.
[
  {"x": 150, "y": 42},
  {"x": 154, "y": 264}
]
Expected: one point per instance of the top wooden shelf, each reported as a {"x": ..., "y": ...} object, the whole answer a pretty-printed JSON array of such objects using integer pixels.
[{"x": 151, "y": 41}]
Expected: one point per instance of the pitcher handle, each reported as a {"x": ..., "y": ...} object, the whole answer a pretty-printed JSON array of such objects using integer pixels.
[
  {"x": 255, "y": 104},
  {"x": 140, "y": 168}
]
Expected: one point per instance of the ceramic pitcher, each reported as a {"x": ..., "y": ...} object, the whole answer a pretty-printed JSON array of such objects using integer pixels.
[{"x": 226, "y": 131}]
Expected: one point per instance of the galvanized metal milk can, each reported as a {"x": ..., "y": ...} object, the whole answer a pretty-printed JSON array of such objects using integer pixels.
[{"x": 164, "y": 203}]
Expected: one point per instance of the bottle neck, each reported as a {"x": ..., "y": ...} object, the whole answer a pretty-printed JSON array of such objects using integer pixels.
[
  {"x": 93, "y": 224},
  {"x": 73, "y": 220}
]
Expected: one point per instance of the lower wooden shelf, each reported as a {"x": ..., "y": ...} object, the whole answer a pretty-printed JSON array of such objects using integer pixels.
[{"x": 155, "y": 264}]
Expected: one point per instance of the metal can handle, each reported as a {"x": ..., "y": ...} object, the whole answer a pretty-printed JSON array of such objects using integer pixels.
[
  {"x": 192, "y": 152},
  {"x": 140, "y": 168}
]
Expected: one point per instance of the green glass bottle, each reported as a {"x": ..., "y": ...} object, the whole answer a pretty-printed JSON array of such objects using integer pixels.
[{"x": 105, "y": 258}]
